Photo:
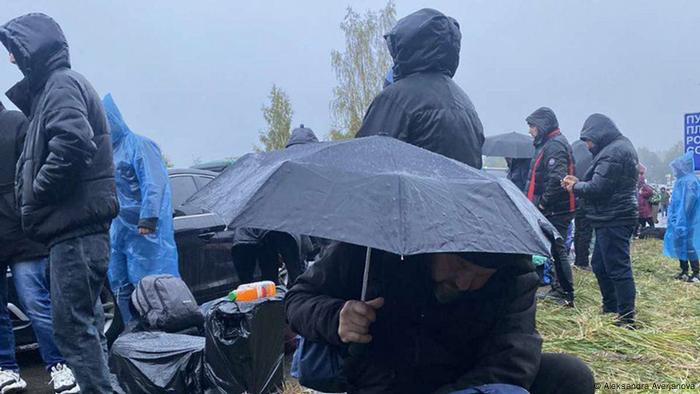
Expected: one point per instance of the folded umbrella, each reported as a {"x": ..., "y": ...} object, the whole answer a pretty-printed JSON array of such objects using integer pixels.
[{"x": 513, "y": 145}]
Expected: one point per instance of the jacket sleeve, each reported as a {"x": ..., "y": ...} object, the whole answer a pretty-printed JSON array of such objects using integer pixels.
[
  {"x": 148, "y": 164},
  {"x": 385, "y": 116},
  {"x": 70, "y": 141},
  {"x": 313, "y": 305},
  {"x": 557, "y": 163},
  {"x": 511, "y": 352},
  {"x": 646, "y": 191},
  {"x": 605, "y": 174}
]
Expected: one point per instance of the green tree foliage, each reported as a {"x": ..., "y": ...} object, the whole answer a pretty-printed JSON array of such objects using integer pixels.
[
  {"x": 360, "y": 68},
  {"x": 278, "y": 116}
]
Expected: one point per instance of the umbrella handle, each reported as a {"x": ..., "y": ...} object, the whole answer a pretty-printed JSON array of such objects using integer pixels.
[
  {"x": 365, "y": 277},
  {"x": 360, "y": 349}
]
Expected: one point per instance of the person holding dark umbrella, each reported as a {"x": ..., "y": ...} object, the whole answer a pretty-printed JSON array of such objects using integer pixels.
[
  {"x": 552, "y": 162},
  {"x": 517, "y": 149}
]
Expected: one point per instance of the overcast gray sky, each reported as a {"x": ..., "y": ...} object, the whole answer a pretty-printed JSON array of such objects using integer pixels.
[{"x": 193, "y": 75}]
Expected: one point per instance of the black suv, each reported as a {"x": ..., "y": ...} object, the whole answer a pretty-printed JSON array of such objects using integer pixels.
[{"x": 204, "y": 248}]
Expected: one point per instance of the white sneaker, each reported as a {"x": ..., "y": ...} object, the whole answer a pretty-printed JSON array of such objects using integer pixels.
[
  {"x": 63, "y": 380},
  {"x": 10, "y": 382}
]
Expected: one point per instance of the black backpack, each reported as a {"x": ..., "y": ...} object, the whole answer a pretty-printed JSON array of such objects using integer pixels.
[{"x": 165, "y": 303}]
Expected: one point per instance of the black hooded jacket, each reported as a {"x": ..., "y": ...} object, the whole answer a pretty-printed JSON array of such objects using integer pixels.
[
  {"x": 65, "y": 175},
  {"x": 552, "y": 162},
  {"x": 609, "y": 188},
  {"x": 420, "y": 345},
  {"x": 14, "y": 245},
  {"x": 424, "y": 106}
]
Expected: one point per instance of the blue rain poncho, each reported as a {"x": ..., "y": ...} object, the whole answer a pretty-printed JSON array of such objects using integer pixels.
[
  {"x": 682, "y": 239},
  {"x": 145, "y": 200}
]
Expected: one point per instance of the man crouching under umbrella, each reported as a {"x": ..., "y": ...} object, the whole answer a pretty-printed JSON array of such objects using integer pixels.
[{"x": 435, "y": 323}]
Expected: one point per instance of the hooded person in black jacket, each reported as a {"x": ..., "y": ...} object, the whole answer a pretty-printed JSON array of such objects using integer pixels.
[
  {"x": 609, "y": 189},
  {"x": 552, "y": 162},
  {"x": 65, "y": 187},
  {"x": 424, "y": 106},
  {"x": 435, "y": 323}
]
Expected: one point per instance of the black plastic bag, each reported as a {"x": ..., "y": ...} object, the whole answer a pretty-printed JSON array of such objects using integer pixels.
[
  {"x": 158, "y": 362},
  {"x": 245, "y": 346}
]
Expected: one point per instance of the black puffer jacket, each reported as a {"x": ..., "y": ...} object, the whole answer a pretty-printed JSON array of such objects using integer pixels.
[
  {"x": 65, "y": 176},
  {"x": 14, "y": 245},
  {"x": 609, "y": 188},
  {"x": 420, "y": 345},
  {"x": 552, "y": 162},
  {"x": 423, "y": 106}
]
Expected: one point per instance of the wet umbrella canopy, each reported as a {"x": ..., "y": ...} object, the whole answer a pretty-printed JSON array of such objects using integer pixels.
[
  {"x": 513, "y": 145},
  {"x": 377, "y": 192}
]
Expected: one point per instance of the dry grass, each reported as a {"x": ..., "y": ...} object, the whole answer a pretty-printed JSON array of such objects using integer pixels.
[{"x": 664, "y": 350}]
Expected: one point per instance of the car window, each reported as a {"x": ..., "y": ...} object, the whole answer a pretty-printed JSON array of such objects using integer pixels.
[
  {"x": 202, "y": 181},
  {"x": 183, "y": 187}
]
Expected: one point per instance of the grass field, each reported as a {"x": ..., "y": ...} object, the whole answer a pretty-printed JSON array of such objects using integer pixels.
[{"x": 664, "y": 350}]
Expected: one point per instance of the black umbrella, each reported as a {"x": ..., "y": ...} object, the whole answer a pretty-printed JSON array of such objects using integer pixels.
[
  {"x": 377, "y": 192},
  {"x": 513, "y": 145}
]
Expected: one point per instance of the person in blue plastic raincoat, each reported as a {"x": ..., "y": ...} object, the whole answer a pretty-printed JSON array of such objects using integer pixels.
[
  {"x": 682, "y": 239},
  {"x": 142, "y": 238}
]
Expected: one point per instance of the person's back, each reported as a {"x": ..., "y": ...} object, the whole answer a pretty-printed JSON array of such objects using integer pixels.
[{"x": 424, "y": 106}]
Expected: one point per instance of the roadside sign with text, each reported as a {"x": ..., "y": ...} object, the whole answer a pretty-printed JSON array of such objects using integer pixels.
[{"x": 692, "y": 136}]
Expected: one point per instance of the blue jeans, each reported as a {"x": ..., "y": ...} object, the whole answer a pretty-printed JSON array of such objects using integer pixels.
[
  {"x": 612, "y": 267},
  {"x": 33, "y": 294}
]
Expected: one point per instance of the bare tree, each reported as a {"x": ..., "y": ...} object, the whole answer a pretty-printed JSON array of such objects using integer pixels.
[
  {"x": 278, "y": 116},
  {"x": 360, "y": 68}
]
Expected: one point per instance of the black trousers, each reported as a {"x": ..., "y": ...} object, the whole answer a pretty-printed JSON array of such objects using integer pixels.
[
  {"x": 583, "y": 235},
  {"x": 694, "y": 266},
  {"x": 612, "y": 267},
  {"x": 562, "y": 268},
  {"x": 563, "y": 374},
  {"x": 558, "y": 374},
  {"x": 266, "y": 256}
]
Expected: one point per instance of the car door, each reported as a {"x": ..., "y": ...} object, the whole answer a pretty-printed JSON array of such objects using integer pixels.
[{"x": 203, "y": 243}]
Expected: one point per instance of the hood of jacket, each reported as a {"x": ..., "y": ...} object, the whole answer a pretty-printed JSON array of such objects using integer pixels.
[
  {"x": 301, "y": 135},
  {"x": 424, "y": 41},
  {"x": 684, "y": 165},
  {"x": 600, "y": 130},
  {"x": 117, "y": 125},
  {"x": 546, "y": 122},
  {"x": 38, "y": 45}
]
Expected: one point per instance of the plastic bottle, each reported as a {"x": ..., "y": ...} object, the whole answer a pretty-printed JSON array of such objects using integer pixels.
[{"x": 253, "y": 291}]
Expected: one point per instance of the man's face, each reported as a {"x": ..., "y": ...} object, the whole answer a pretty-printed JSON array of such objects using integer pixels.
[
  {"x": 590, "y": 145},
  {"x": 533, "y": 131},
  {"x": 12, "y": 58},
  {"x": 453, "y": 274}
]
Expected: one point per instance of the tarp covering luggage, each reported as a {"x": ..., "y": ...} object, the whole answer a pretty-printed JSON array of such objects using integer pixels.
[
  {"x": 245, "y": 346},
  {"x": 158, "y": 362}
]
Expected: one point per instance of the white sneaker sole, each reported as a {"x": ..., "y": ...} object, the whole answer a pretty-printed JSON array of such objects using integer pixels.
[
  {"x": 72, "y": 390},
  {"x": 17, "y": 387}
]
